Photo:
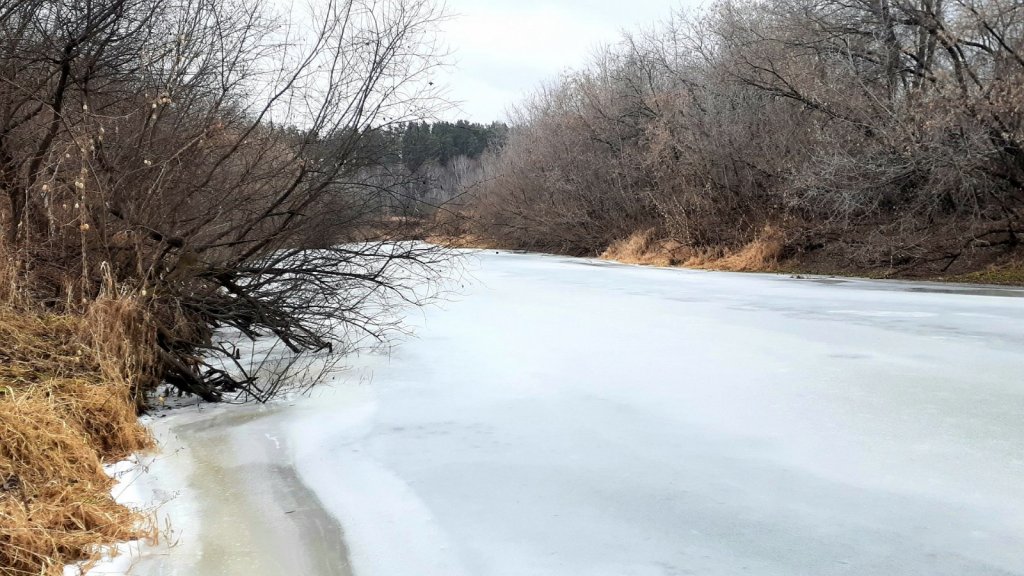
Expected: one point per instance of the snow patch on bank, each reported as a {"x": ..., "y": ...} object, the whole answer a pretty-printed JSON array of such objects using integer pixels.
[{"x": 152, "y": 483}]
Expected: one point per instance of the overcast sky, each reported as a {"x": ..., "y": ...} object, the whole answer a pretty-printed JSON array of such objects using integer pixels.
[{"x": 502, "y": 49}]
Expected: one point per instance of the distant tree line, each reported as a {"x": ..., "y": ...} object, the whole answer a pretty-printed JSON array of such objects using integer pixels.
[
  {"x": 423, "y": 143},
  {"x": 437, "y": 161},
  {"x": 881, "y": 134}
]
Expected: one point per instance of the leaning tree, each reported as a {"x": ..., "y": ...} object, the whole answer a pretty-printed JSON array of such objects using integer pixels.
[{"x": 223, "y": 161}]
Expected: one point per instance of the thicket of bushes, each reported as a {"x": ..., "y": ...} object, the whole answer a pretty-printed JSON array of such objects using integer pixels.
[
  {"x": 222, "y": 162},
  {"x": 178, "y": 178},
  {"x": 873, "y": 134}
]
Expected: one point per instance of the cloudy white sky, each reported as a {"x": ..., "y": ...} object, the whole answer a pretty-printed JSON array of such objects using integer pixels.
[{"x": 502, "y": 49}]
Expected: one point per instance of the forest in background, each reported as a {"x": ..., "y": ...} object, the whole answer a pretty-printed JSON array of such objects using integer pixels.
[
  {"x": 441, "y": 161},
  {"x": 868, "y": 137}
]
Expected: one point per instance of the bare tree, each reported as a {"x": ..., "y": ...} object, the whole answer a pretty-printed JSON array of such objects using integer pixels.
[
  {"x": 879, "y": 133},
  {"x": 216, "y": 157}
]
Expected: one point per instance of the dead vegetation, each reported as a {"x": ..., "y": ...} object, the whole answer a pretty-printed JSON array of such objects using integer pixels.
[
  {"x": 143, "y": 141},
  {"x": 879, "y": 138},
  {"x": 68, "y": 387},
  {"x": 463, "y": 241},
  {"x": 646, "y": 248},
  {"x": 1006, "y": 273},
  {"x": 762, "y": 254},
  {"x": 179, "y": 179}
]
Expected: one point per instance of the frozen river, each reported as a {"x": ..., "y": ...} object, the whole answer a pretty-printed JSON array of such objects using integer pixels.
[{"x": 580, "y": 418}]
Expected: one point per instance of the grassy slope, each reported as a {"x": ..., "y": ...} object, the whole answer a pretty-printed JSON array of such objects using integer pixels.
[
  {"x": 765, "y": 254},
  {"x": 66, "y": 409}
]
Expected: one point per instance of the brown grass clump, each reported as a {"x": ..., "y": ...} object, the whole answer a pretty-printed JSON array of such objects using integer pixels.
[
  {"x": 118, "y": 332},
  {"x": 643, "y": 247},
  {"x": 763, "y": 254},
  {"x": 66, "y": 408},
  {"x": 55, "y": 506}
]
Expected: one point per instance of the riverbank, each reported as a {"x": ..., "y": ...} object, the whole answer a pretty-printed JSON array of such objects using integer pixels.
[
  {"x": 67, "y": 412},
  {"x": 769, "y": 253},
  {"x": 225, "y": 494}
]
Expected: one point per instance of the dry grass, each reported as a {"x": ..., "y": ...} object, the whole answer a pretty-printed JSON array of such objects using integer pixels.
[
  {"x": 763, "y": 254},
  {"x": 9, "y": 292},
  {"x": 645, "y": 248},
  {"x": 1010, "y": 273},
  {"x": 67, "y": 387},
  {"x": 463, "y": 241}
]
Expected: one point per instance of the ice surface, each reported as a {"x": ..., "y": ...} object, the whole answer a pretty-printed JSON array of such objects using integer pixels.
[{"x": 573, "y": 417}]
